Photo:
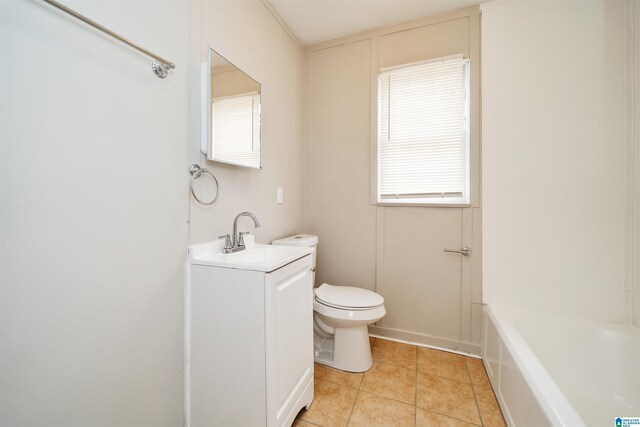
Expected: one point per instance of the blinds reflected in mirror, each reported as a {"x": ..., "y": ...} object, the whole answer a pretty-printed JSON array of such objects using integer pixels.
[
  {"x": 423, "y": 132},
  {"x": 235, "y": 128}
]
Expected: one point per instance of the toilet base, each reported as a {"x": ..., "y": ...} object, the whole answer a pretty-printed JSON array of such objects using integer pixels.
[{"x": 347, "y": 350}]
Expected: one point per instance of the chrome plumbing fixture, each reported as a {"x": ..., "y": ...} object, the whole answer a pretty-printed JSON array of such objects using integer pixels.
[{"x": 235, "y": 242}]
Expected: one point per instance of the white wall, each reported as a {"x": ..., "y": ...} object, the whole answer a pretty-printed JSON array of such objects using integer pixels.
[
  {"x": 246, "y": 34},
  {"x": 554, "y": 146},
  {"x": 633, "y": 98},
  {"x": 95, "y": 209},
  {"x": 94, "y": 215}
]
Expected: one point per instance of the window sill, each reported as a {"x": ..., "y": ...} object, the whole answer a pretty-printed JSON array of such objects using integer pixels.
[{"x": 422, "y": 205}]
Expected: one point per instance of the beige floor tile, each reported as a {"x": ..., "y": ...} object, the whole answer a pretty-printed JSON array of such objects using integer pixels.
[
  {"x": 443, "y": 364},
  {"x": 391, "y": 381},
  {"x": 371, "y": 341},
  {"x": 325, "y": 373},
  {"x": 373, "y": 410},
  {"x": 299, "y": 423},
  {"x": 448, "y": 397},
  {"x": 493, "y": 420},
  {"x": 433, "y": 419},
  {"x": 331, "y": 405},
  {"x": 477, "y": 372},
  {"x": 487, "y": 402},
  {"x": 395, "y": 353}
]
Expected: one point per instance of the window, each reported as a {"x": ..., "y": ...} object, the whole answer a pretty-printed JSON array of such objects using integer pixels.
[
  {"x": 235, "y": 127},
  {"x": 423, "y": 136}
]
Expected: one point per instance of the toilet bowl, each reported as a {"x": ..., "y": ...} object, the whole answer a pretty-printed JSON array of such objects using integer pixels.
[{"x": 341, "y": 315}]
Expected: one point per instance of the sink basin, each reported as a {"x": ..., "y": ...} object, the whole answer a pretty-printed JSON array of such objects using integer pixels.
[{"x": 255, "y": 257}]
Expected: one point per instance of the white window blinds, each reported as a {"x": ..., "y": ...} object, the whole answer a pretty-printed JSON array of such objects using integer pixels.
[
  {"x": 422, "y": 133},
  {"x": 235, "y": 127}
]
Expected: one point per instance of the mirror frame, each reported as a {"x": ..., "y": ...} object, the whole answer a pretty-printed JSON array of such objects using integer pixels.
[{"x": 206, "y": 142}]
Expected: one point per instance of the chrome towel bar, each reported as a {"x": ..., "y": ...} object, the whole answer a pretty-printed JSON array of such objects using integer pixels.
[{"x": 160, "y": 66}]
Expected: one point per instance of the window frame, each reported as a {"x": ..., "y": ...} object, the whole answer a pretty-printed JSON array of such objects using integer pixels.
[{"x": 467, "y": 198}]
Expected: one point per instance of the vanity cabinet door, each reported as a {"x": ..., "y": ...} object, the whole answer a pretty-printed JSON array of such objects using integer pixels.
[{"x": 289, "y": 340}]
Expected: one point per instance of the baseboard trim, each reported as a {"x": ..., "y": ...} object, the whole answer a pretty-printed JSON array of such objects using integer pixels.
[{"x": 424, "y": 340}]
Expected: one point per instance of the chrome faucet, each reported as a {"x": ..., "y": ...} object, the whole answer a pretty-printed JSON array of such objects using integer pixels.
[{"x": 235, "y": 242}]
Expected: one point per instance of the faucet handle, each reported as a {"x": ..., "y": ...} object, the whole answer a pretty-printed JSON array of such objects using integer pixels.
[
  {"x": 227, "y": 241},
  {"x": 241, "y": 237}
]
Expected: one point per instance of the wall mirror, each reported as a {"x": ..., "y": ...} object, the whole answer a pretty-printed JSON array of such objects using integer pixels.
[{"x": 231, "y": 113}]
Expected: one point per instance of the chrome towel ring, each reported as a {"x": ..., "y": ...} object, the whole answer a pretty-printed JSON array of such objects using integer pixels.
[{"x": 196, "y": 171}]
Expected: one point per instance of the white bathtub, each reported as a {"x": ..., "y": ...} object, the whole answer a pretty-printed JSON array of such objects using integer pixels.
[{"x": 554, "y": 370}]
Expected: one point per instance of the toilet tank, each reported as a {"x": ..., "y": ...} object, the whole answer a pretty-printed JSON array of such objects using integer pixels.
[{"x": 305, "y": 240}]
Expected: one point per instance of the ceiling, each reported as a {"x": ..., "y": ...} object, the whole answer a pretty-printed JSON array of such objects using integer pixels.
[{"x": 314, "y": 21}]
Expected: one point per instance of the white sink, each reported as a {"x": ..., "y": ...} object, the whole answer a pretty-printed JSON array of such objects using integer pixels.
[{"x": 255, "y": 257}]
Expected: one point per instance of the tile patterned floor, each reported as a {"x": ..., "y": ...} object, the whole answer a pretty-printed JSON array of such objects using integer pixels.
[{"x": 406, "y": 386}]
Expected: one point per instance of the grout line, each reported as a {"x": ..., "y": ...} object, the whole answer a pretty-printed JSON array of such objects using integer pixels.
[
  {"x": 493, "y": 393},
  {"x": 307, "y": 422},
  {"x": 447, "y": 378},
  {"x": 454, "y": 418},
  {"x": 473, "y": 390},
  {"x": 353, "y": 406},
  {"x": 475, "y": 398},
  {"x": 394, "y": 364},
  {"x": 415, "y": 402},
  {"x": 335, "y": 383},
  {"x": 385, "y": 397}
]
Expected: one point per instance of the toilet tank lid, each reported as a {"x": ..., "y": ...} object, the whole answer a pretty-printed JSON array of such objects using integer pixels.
[
  {"x": 348, "y": 296},
  {"x": 306, "y": 240}
]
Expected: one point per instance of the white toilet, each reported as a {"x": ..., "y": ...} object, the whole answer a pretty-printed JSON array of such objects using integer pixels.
[{"x": 340, "y": 318}]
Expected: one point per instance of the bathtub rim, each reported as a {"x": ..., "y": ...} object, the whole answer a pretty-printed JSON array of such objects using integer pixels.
[{"x": 540, "y": 383}]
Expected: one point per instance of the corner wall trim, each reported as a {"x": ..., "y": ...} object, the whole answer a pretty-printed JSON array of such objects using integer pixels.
[{"x": 283, "y": 23}]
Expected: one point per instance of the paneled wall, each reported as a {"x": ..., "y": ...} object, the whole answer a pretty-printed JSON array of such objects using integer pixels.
[
  {"x": 95, "y": 207},
  {"x": 396, "y": 251},
  {"x": 337, "y": 204},
  {"x": 246, "y": 34},
  {"x": 554, "y": 147}
]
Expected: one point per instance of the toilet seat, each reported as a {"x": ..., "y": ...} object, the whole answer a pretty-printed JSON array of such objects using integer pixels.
[
  {"x": 342, "y": 315},
  {"x": 347, "y": 297}
]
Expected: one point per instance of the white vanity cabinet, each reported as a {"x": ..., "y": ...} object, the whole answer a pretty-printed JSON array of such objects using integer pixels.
[{"x": 248, "y": 344}]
